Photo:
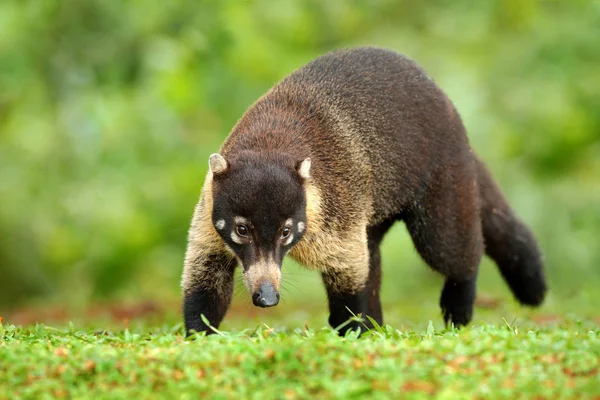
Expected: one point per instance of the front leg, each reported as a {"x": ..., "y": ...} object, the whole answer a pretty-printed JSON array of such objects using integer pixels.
[
  {"x": 346, "y": 281},
  {"x": 344, "y": 301},
  {"x": 207, "y": 290},
  {"x": 343, "y": 259}
]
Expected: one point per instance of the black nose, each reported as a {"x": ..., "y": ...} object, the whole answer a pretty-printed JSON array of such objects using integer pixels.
[{"x": 266, "y": 296}]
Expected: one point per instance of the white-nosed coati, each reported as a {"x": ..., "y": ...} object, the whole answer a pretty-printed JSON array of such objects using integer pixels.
[{"x": 322, "y": 166}]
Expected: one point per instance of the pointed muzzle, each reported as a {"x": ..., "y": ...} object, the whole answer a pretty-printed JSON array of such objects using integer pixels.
[
  {"x": 262, "y": 280},
  {"x": 265, "y": 296}
]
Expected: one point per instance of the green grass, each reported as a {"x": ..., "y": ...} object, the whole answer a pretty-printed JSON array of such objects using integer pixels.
[{"x": 485, "y": 361}]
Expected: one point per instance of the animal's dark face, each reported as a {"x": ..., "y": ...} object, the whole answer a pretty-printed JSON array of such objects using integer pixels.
[{"x": 259, "y": 210}]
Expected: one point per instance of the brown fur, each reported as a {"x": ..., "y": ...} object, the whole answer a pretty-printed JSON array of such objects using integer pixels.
[{"x": 386, "y": 144}]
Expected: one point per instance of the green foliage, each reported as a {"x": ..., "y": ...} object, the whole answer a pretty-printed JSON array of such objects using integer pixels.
[
  {"x": 483, "y": 361},
  {"x": 109, "y": 110}
]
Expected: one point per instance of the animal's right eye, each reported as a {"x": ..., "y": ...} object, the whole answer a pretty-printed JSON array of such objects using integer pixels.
[{"x": 242, "y": 230}]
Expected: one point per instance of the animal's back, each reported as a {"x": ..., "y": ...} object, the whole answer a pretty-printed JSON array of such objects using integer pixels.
[{"x": 372, "y": 116}]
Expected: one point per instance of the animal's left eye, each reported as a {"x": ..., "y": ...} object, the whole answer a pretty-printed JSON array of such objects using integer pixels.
[
  {"x": 286, "y": 232},
  {"x": 242, "y": 230}
]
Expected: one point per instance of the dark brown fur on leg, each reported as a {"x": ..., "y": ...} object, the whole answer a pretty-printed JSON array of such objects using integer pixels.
[
  {"x": 209, "y": 294},
  {"x": 374, "y": 287},
  {"x": 375, "y": 236},
  {"x": 457, "y": 301},
  {"x": 446, "y": 229},
  {"x": 343, "y": 304}
]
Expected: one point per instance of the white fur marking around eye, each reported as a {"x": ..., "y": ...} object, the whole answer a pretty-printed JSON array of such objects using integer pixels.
[
  {"x": 236, "y": 238},
  {"x": 289, "y": 239},
  {"x": 301, "y": 227},
  {"x": 289, "y": 222},
  {"x": 220, "y": 224},
  {"x": 240, "y": 220}
]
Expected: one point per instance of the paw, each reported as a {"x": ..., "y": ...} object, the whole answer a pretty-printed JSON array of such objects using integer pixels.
[
  {"x": 459, "y": 316},
  {"x": 457, "y": 301},
  {"x": 352, "y": 326}
]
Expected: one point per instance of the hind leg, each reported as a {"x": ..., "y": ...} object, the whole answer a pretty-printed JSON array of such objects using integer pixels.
[
  {"x": 457, "y": 301},
  {"x": 446, "y": 229},
  {"x": 375, "y": 235}
]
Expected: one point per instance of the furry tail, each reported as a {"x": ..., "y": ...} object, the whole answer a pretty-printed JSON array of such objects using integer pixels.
[{"x": 510, "y": 243}]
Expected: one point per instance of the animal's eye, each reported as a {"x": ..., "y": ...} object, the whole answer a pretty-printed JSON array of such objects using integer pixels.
[
  {"x": 286, "y": 232},
  {"x": 241, "y": 230}
]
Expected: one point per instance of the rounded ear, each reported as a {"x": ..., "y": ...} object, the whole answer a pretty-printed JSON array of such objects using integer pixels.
[
  {"x": 303, "y": 168},
  {"x": 217, "y": 164}
]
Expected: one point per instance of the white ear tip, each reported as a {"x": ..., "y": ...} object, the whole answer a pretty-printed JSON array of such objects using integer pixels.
[
  {"x": 217, "y": 163},
  {"x": 304, "y": 168}
]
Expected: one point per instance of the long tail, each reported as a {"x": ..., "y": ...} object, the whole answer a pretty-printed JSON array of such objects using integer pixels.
[{"x": 510, "y": 243}]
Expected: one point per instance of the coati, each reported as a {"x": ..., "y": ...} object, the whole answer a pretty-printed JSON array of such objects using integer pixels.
[{"x": 320, "y": 168}]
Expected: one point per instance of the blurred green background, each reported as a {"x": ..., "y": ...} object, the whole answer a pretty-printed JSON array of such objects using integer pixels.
[{"x": 109, "y": 111}]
